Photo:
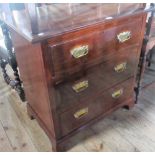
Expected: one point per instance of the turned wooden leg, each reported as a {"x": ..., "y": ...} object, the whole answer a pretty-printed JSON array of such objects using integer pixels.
[
  {"x": 17, "y": 84},
  {"x": 14, "y": 83},
  {"x": 3, "y": 64}
]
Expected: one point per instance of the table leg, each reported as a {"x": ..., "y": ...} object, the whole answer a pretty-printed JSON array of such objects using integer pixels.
[{"x": 16, "y": 82}]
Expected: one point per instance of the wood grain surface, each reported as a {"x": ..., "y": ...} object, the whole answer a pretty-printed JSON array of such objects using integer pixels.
[{"x": 54, "y": 19}]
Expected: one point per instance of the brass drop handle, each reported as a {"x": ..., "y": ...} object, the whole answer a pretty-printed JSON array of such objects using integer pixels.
[
  {"x": 80, "y": 86},
  {"x": 124, "y": 36},
  {"x": 120, "y": 67},
  {"x": 79, "y": 51},
  {"x": 116, "y": 94},
  {"x": 81, "y": 113}
]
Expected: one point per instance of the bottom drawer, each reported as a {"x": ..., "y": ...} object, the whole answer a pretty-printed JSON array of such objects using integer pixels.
[{"x": 85, "y": 112}]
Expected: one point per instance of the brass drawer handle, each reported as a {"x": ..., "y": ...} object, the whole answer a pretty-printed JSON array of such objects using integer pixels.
[
  {"x": 117, "y": 93},
  {"x": 80, "y": 113},
  {"x": 80, "y": 86},
  {"x": 80, "y": 51},
  {"x": 124, "y": 36},
  {"x": 120, "y": 67}
]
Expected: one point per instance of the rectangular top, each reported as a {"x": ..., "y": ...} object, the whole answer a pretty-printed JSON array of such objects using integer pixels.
[{"x": 36, "y": 23}]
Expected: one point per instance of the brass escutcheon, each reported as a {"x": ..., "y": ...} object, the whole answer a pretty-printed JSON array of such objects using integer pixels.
[
  {"x": 80, "y": 51},
  {"x": 80, "y": 86},
  {"x": 80, "y": 113},
  {"x": 124, "y": 36},
  {"x": 120, "y": 67},
  {"x": 117, "y": 93}
]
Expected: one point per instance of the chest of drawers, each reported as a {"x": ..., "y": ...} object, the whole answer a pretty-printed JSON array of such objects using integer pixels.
[{"x": 80, "y": 65}]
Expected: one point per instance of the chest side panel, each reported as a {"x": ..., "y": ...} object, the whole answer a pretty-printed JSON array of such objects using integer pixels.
[{"x": 29, "y": 59}]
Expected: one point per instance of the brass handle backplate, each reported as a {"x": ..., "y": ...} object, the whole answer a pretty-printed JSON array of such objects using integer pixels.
[
  {"x": 120, "y": 67},
  {"x": 117, "y": 93},
  {"x": 80, "y": 86},
  {"x": 80, "y": 113},
  {"x": 79, "y": 51},
  {"x": 124, "y": 36}
]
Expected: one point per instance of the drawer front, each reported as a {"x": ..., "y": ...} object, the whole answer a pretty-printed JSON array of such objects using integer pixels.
[
  {"x": 85, "y": 112},
  {"x": 79, "y": 54},
  {"x": 119, "y": 36},
  {"x": 103, "y": 76}
]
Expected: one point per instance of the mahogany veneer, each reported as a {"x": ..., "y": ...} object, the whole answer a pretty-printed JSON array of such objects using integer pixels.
[{"x": 79, "y": 65}]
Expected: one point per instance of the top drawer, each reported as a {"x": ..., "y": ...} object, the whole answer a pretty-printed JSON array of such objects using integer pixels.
[{"x": 78, "y": 54}]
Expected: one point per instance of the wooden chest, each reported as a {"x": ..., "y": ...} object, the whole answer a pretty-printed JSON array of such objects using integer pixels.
[{"x": 80, "y": 65}]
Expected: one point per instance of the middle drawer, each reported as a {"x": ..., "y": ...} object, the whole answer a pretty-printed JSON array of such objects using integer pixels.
[{"x": 103, "y": 76}]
